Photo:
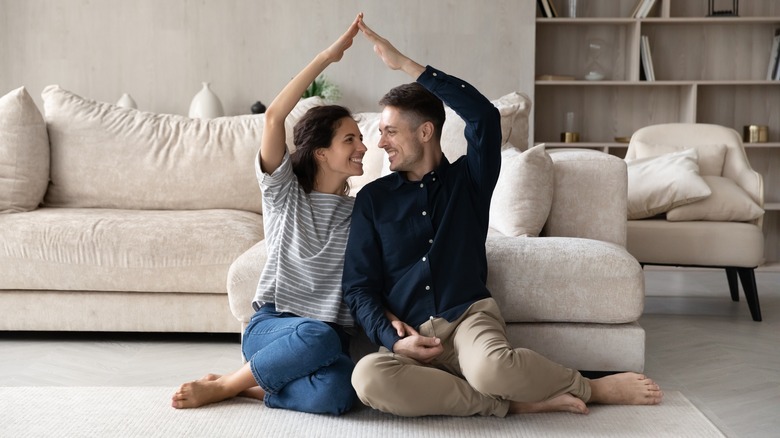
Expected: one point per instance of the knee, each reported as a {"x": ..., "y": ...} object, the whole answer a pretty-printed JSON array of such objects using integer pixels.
[
  {"x": 318, "y": 335},
  {"x": 489, "y": 377},
  {"x": 366, "y": 378}
]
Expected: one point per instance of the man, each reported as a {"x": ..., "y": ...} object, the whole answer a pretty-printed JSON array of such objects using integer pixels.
[{"x": 416, "y": 267}]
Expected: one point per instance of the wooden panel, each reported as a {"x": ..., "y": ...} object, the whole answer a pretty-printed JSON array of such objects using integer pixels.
[{"x": 738, "y": 105}]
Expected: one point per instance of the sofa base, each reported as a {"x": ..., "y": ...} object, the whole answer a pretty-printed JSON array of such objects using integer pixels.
[{"x": 37, "y": 310}]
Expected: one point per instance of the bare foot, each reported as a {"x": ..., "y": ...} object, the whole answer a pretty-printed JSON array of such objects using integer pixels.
[
  {"x": 625, "y": 389},
  {"x": 200, "y": 393},
  {"x": 561, "y": 403},
  {"x": 254, "y": 392}
]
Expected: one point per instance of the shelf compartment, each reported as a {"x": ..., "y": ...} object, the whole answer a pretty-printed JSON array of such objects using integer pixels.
[
  {"x": 607, "y": 111},
  {"x": 740, "y": 105}
]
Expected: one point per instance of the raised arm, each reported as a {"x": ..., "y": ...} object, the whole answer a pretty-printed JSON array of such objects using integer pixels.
[
  {"x": 389, "y": 54},
  {"x": 273, "y": 146}
]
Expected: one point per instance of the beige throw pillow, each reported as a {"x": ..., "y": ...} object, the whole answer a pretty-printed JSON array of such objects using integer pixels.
[
  {"x": 728, "y": 202},
  {"x": 524, "y": 191},
  {"x": 658, "y": 184},
  {"x": 24, "y": 153},
  {"x": 710, "y": 157}
]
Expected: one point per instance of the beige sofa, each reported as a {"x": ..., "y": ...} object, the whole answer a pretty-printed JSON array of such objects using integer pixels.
[
  {"x": 113, "y": 219},
  {"x": 575, "y": 294}
]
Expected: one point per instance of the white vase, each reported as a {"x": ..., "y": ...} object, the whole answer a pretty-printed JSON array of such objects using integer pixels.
[
  {"x": 206, "y": 104},
  {"x": 126, "y": 101}
]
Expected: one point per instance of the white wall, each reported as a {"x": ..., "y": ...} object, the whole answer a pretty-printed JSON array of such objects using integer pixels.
[{"x": 160, "y": 51}]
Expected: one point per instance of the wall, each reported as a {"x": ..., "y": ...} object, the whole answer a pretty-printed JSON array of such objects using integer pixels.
[{"x": 160, "y": 51}]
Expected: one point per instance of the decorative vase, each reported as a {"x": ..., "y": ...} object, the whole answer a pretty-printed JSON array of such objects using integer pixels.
[
  {"x": 206, "y": 104},
  {"x": 126, "y": 101}
]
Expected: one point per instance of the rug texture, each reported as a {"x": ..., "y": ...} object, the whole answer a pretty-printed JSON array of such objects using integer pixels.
[{"x": 146, "y": 412}]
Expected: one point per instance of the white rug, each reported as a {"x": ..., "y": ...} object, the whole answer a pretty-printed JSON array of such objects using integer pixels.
[{"x": 146, "y": 412}]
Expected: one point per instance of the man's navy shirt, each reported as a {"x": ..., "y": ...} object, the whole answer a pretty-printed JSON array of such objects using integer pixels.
[{"x": 417, "y": 248}]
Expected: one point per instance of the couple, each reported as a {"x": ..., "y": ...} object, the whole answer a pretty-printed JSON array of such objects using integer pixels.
[{"x": 409, "y": 256}]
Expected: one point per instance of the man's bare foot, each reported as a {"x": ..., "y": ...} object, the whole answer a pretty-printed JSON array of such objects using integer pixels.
[
  {"x": 625, "y": 389},
  {"x": 561, "y": 403},
  {"x": 200, "y": 393}
]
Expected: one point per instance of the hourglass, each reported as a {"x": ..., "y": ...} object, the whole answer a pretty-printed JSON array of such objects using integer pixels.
[{"x": 594, "y": 68}]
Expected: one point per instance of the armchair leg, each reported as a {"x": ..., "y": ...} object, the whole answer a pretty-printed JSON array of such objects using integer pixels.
[
  {"x": 731, "y": 275},
  {"x": 748, "y": 277}
]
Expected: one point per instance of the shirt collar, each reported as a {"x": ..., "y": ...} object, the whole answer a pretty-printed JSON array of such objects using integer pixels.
[{"x": 398, "y": 180}]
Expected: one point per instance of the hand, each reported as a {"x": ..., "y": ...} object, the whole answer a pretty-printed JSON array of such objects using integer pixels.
[
  {"x": 389, "y": 54},
  {"x": 403, "y": 329},
  {"x": 335, "y": 52},
  {"x": 419, "y": 348}
]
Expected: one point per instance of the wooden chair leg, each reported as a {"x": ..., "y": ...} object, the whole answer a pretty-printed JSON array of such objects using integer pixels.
[
  {"x": 748, "y": 277},
  {"x": 731, "y": 275}
]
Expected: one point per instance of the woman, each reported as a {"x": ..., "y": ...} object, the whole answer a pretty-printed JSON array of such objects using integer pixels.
[{"x": 295, "y": 345}]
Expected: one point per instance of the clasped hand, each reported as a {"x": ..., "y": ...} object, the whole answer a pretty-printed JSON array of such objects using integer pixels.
[{"x": 412, "y": 344}]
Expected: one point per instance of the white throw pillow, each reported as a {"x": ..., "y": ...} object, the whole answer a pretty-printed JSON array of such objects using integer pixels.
[
  {"x": 710, "y": 157},
  {"x": 728, "y": 202},
  {"x": 658, "y": 184},
  {"x": 523, "y": 195},
  {"x": 24, "y": 153}
]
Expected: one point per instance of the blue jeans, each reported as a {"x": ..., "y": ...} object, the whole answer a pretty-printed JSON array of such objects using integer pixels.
[{"x": 302, "y": 364}]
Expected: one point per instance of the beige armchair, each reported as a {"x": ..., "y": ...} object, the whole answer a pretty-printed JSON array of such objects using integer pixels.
[{"x": 722, "y": 230}]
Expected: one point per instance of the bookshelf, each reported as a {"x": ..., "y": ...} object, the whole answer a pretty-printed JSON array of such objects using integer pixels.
[{"x": 707, "y": 70}]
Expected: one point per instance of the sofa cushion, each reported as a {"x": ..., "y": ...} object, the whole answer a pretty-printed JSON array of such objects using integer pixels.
[
  {"x": 513, "y": 108},
  {"x": 523, "y": 194},
  {"x": 105, "y": 156},
  {"x": 123, "y": 250},
  {"x": 728, "y": 202},
  {"x": 658, "y": 184},
  {"x": 710, "y": 157},
  {"x": 24, "y": 153},
  {"x": 562, "y": 279}
]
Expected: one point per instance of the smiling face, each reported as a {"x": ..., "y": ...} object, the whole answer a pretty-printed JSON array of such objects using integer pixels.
[
  {"x": 401, "y": 140},
  {"x": 344, "y": 156}
]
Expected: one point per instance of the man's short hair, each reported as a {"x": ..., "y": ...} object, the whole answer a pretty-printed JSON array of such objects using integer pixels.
[{"x": 418, "y": 104}]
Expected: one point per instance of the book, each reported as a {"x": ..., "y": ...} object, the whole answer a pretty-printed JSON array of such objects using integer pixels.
[
  {"x": 544, "y": 7},
  {"x": 644, "y": 9},
  {"x": 646, "y": 60},
  {"x": 552, "y": 8},
  {"x": 774, "y": 58}
]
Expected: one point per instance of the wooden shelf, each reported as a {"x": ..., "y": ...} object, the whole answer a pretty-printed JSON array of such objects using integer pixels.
[{"x": 708, "y": 70}]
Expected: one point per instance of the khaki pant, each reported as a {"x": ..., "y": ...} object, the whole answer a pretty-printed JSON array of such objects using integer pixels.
[{"x": 478, "y": 372}]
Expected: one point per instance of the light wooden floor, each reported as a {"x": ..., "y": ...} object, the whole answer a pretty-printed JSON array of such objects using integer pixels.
[{"x": 698, "y": 342}]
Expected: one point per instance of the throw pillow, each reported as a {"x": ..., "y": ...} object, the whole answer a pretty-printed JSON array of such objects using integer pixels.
[
  {"x": 728, "y": 202},
  {"x": 658, "y": 184},
  {"x": 710, "y": 157},
  {"x": 24, "y": 153},
  {"x": 523, "y": 195}
]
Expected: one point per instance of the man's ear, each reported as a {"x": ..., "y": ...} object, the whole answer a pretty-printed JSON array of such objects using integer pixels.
[{"x": 425, "y": 131}]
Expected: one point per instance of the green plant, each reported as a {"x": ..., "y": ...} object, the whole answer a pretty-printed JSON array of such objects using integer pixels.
[{"x": 323, "y": 88}]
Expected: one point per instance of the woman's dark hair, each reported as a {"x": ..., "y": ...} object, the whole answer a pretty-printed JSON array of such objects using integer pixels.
[
  {"x": 418, "y": 105},
  {"x": 313, "y": 131}
]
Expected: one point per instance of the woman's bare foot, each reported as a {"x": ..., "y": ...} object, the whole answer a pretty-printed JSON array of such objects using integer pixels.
[
  {"x": 561, "y": 403},
  {"x": 254, "y": 392},
  {"x": 625, "y": 389},
  {"x": 200, "y": 393}
]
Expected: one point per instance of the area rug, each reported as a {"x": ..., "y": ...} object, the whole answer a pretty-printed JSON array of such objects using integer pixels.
[{"x": 146, "y": 412}]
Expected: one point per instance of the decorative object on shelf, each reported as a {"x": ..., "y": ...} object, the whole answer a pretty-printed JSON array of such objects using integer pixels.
[
  {"x": 623, "y": 139},
  {"x": 571, "y": 125},
  {"x": 595, "y": 68},
  {"x": 733, "y": 12},
  {"x": 323, "y": 88},
  {"x": 206, "y": 104},
  {"x": 554, "y": 78},
  {"x": 572, "y": 8},
  {"x": 258, "y": 108},
  {"x": 126, "y": 101},
  {"x": 755, "y": 133},
  {"x": 646, "y": 70}
]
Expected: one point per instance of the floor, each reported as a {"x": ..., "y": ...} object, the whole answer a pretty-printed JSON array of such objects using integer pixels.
[{"x": 698, "y": 342}]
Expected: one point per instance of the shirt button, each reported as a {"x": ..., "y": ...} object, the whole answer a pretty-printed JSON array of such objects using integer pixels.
[
  {"x": 430, "y": 240},
  {"x": 434, "y": 73},
  {"x": 425, "y": 213},
  {"x": 427, "y": 288},
  {"x": 462, "y": 86},
  {"x": 422, "y": 185},
  {"x": 434, "y": 179},
  {"x": 424, "y": 258}
]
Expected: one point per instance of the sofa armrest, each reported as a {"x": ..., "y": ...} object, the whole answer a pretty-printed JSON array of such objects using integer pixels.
[
  {"x": 242, "y": 279},
  {"x": 590, "y": 196}
]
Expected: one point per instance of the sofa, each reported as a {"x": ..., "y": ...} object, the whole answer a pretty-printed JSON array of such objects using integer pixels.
[
  {"x": 557, "y": 261},
  {"x": 114, "y": 219}
]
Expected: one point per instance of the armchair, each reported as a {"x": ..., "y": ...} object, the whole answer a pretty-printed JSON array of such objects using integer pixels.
[{"x": 723, "y": 230}]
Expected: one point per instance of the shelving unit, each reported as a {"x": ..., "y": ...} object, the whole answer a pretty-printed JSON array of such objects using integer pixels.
[{"x": 707, "y": 69}]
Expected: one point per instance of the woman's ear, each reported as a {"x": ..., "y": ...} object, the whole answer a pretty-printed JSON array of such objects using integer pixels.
[{"x": 320, "y": 155}]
